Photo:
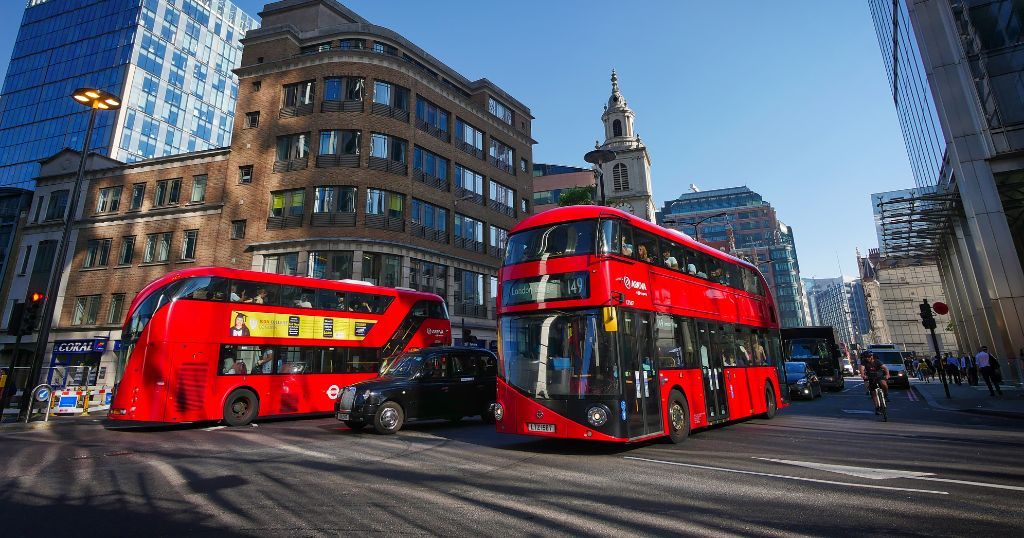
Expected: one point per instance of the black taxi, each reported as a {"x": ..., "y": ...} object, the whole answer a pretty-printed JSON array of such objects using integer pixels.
[{"x": 432, "y": 383}]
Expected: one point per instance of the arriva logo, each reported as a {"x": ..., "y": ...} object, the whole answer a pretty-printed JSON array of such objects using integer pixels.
[{"x": 633, "y": 285}]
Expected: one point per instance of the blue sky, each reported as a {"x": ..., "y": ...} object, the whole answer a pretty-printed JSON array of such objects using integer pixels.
[{"x": 788, "y": 98}]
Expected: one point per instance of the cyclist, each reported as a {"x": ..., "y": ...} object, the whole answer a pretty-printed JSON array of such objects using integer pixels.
[{"x": 874, "y": 373}]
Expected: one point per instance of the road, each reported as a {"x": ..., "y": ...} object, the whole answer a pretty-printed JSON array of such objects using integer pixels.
[{"x": 315, "y": 477}]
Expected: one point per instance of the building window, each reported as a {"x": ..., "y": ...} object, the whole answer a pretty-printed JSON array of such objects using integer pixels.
[
  {"x": 502, "y": 198},
  {"x": 335, "y": 141},
  {"x": 290, "y": 203},
  {"x": 96, "y": 253},
  {"x": 469, "y": 232},
  {"x": 385, "y": 203},
  {"x": 429, "y": 163},
  {"x": 499, "y": 110},
  {"x": 428, "y": 277},
  {"x": 167, "y": 192},
  {"x": 252, "y": 120},
  {"x": 469, "y": 135},
  {"x": 127, "y": 250},
  {"x": 430, "y": 115},
  {"x": 158, "y": 248},
  {"x": 330, "y": 264},
  {"x": 385, "y": 146},
  {"x": 39, "y": 208},
  {"x": 138, "y": 195},
  {"x": 109, "y": 200},
  {"x": 392, "y": 95},
  {"x": 238, "y": 229},
  {"x": 343, "y": 89},
  {"x": 282, "y": 264},
  {"x": 86, "y": 310},
  {"x": 469, "y": 180},
  {"x": 352, "y": 44},
  {"x": 469, "y": 289},
  {"x": 116, "y": 310},
  {"x": 299, "y": 94},
  {"x": 524, "y": 206},
  {"x": 382, "y": 269},
  {"x": 429, "y": 215},
  {"x": 292, "y": 147},
  {"x": 188, "y": 245},
  {"x": 617, "y": 128},
  {"x": 24, "y": 261},
  {"x": 523, "y": 165},
  {"x": 331, "y": 199},
  {"x": 57, "y": 206},
  {"x": 245, "y": 174},
  {"x": 498, "y": 240},
  {"x": 384, "y": 48},
  {"x": 501, "y": 156},
  {"x": 620, "y": 177},
  {"x": 198, "y": 189},
  {"x": 256, "y": 85}
]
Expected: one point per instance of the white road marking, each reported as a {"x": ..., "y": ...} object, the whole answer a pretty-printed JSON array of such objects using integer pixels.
[
  {"x": 800, "y": 478},
  {"x": 212, "y": 428},
  {"x": 857, "y": 411},
  {"x": 884, "y": 474}
]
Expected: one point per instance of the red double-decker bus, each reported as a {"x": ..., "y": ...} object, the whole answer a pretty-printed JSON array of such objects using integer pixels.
[
  {"x": 614, "y": 329},
  {"x": 220, "y": 344}
]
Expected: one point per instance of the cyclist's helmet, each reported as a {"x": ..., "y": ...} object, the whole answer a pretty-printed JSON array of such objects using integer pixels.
[{"x": 866, "y": 354}]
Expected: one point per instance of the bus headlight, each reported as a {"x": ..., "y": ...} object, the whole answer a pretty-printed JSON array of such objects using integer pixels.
[
  {"x": 597, "y": 415},
  {"x": 498, "y": 411}
]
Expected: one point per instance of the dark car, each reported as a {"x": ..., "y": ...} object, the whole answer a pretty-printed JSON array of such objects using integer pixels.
[
  {"x": 438, "y": 382},
  {"x": 803, "y": 382}
]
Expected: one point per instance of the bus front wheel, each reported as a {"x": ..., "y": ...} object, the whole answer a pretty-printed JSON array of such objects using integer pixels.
[
  {"x": 771, "y": 405},
  {"x": 241, "y": 407},
  {"x": 678, "y": 417}
]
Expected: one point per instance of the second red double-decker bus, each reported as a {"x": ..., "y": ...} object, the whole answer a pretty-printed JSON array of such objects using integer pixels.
[
  {"x": 614, "y": 329},
  {"x": 212, "y": 343}
]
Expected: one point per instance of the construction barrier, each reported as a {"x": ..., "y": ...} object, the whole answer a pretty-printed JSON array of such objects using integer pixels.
[{"x": 74, "y": 401}]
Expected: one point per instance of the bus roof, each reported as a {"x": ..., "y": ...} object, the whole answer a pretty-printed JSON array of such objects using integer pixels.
[{"x": 587, "y": 212}]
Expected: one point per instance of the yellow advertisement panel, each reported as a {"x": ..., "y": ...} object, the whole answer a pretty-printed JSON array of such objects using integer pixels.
[{"x": 271, "y": 325}]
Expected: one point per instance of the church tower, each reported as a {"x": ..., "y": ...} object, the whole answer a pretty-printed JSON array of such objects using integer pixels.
[{"x": 627, "y": 179}]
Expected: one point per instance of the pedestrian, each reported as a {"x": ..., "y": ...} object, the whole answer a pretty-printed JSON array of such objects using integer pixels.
[
  {"x": 953, "y": 368},
  {"x": 972, "y": 370},
  {"x": 986, "y": 367}
]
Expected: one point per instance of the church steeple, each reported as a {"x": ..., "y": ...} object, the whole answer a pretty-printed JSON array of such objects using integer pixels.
[
  {"x": 617, "y": 117},
  {"x": 628, "y": 177}
]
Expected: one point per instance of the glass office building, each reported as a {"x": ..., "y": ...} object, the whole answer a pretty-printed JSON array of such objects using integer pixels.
[{"x": 169, "y": 60}]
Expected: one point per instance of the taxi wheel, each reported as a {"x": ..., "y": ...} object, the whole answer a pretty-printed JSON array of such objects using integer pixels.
[
  {"x": 241, "y": 407},
  {"x": 678, "y": 418},
  {"x": 389, "y": 418},
  {"x": 487, "y": 414},
  {"x": 355, "y": 424}
]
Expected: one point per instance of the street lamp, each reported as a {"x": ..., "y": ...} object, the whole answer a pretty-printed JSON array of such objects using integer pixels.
[
  {"x": 598, "y": 157},
  {"x": 95, "y": 99},
  {"x": 696, "y": 225}
]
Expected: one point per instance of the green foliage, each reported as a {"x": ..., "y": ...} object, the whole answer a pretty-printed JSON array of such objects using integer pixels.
[{"x": 576, "y": 196}]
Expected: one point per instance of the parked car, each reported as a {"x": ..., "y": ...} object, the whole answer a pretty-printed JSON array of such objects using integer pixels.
[
  {"x": 848, "y": 367},
  {"x": 438, "y": 382},
  {"x": 803, "y": 382}
]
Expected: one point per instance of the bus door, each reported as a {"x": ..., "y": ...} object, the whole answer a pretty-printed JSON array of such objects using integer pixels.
[
  {"x": 713, "y": 372},
  {"x": 643, "y": 405}
]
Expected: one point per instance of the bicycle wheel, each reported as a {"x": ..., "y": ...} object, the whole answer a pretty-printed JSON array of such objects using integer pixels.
[{"x": 883, "y": 405}]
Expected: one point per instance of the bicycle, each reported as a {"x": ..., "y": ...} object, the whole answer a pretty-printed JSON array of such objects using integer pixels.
[{"x": 881, "y": 406}]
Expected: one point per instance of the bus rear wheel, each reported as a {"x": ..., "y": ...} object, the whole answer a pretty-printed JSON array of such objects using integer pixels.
[
  {"x": 771, "y": 406},
  {"x": 678, "y": 418},
  {"x": 241, "y": 407}
]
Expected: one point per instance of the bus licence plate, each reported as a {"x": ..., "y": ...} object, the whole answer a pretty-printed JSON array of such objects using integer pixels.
[
  {"x": 342, "y": 416},
  {"x": 546, "y": 428}
]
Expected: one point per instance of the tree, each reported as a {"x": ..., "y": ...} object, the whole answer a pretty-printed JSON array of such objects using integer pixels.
[{"x": 576, "y": 196}]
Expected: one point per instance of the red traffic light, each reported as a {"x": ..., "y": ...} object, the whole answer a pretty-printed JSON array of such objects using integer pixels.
[
  {"x": 940, "y": 308},
  {"x": 35, "y": 297}
]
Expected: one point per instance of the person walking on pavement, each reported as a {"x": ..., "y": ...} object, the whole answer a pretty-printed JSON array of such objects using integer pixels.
[
  {"x": 984, "y": 361},
  {"x": 953, "y": 368},
  {"x": 972, "y": 370}
]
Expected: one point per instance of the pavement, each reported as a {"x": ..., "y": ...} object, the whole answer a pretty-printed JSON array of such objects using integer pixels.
[
  {"x": 973, "y": 399},
  {"x": 807, "y": 472}
]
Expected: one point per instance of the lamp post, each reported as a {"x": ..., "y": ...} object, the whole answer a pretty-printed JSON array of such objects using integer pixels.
[
  {"x": 598, "y": 157},
  {"x": 95, "y": 99},
  {"x": 696, "y": 225}
]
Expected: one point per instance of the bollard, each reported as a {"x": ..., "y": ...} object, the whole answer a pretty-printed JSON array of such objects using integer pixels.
[{"x": 85, "y": 404}]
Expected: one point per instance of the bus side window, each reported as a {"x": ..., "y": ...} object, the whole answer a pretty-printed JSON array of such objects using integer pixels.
[
  {"x": 204, "y": 288},
  {"x": 330, "y": 299},
  {"x": 291, "y": 361},
  {"x": 687, "y": 341},
  {"x": 611, "y": 240},
  {"x": 646, "y": 247},
  {"x": 626, "y": 247},
  {"x": 697, "y": 264},
  {"x": 743, "y": 347},
  {"x": 669, "y": 351},
  {"x": 243, "y": 291}
]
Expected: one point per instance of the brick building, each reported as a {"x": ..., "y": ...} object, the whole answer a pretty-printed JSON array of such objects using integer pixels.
[{"x": 355, "y": 154}]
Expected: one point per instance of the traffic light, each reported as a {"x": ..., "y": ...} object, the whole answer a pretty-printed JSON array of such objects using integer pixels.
[
  {"x": 33, "y": 308},
  {"x": 927, "y": 319}
]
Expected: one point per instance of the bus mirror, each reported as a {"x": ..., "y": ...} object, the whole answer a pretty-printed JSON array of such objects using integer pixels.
[{"x": 611, "y": 323}]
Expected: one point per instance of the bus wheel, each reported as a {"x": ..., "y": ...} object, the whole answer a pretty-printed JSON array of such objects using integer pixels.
[
  {"x": 355, "y": 425},
  {"x": 770, "y": 404},
  {"x": 389, "y": 418},
  {"x": 241, "y": 407},
  {"x": 678, "y": 418}
]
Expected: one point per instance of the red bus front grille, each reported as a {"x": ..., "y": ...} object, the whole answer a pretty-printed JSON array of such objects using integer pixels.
[{"x": 191, "y": 391}]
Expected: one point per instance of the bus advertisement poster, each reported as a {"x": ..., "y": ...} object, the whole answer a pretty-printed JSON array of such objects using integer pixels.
[{"x": 271, "y": 325}]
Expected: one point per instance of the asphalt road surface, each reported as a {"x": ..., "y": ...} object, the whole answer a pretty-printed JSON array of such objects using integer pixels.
[{"x": 823, "y": 467}]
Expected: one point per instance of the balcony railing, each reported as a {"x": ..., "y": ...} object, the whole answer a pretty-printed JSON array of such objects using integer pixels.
[
  {"x": 389, "y": 166},
  {"x": 348, "y": 105},
  {"x": 443, "y": 136},
  {"x": 333, "y": 219},
  {"x": 390, "y": 112},
  {"x": 385, "y": 223},
  {"x": 468, "y": 195},
  {"x": 471, "y": 309},
  {"x": 418, "y": 230},
  {"x": 501, "y": 208},
  {"x": 501, "y": 165},
  {"x": 470, "y": 149},
  {"x": 430, "y": 179},
  {"x": 469, "y": 244},
  {"x": 296, "y": 110},
  {"x": 280, "y": 223},
  {"x": 338, "y": 159},
  {"x": 291, "y": 165}
]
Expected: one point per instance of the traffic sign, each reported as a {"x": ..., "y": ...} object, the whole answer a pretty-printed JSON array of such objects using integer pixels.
[
  {"x": 42, "y": 393},
  {"x": 940, "y": 308}
]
